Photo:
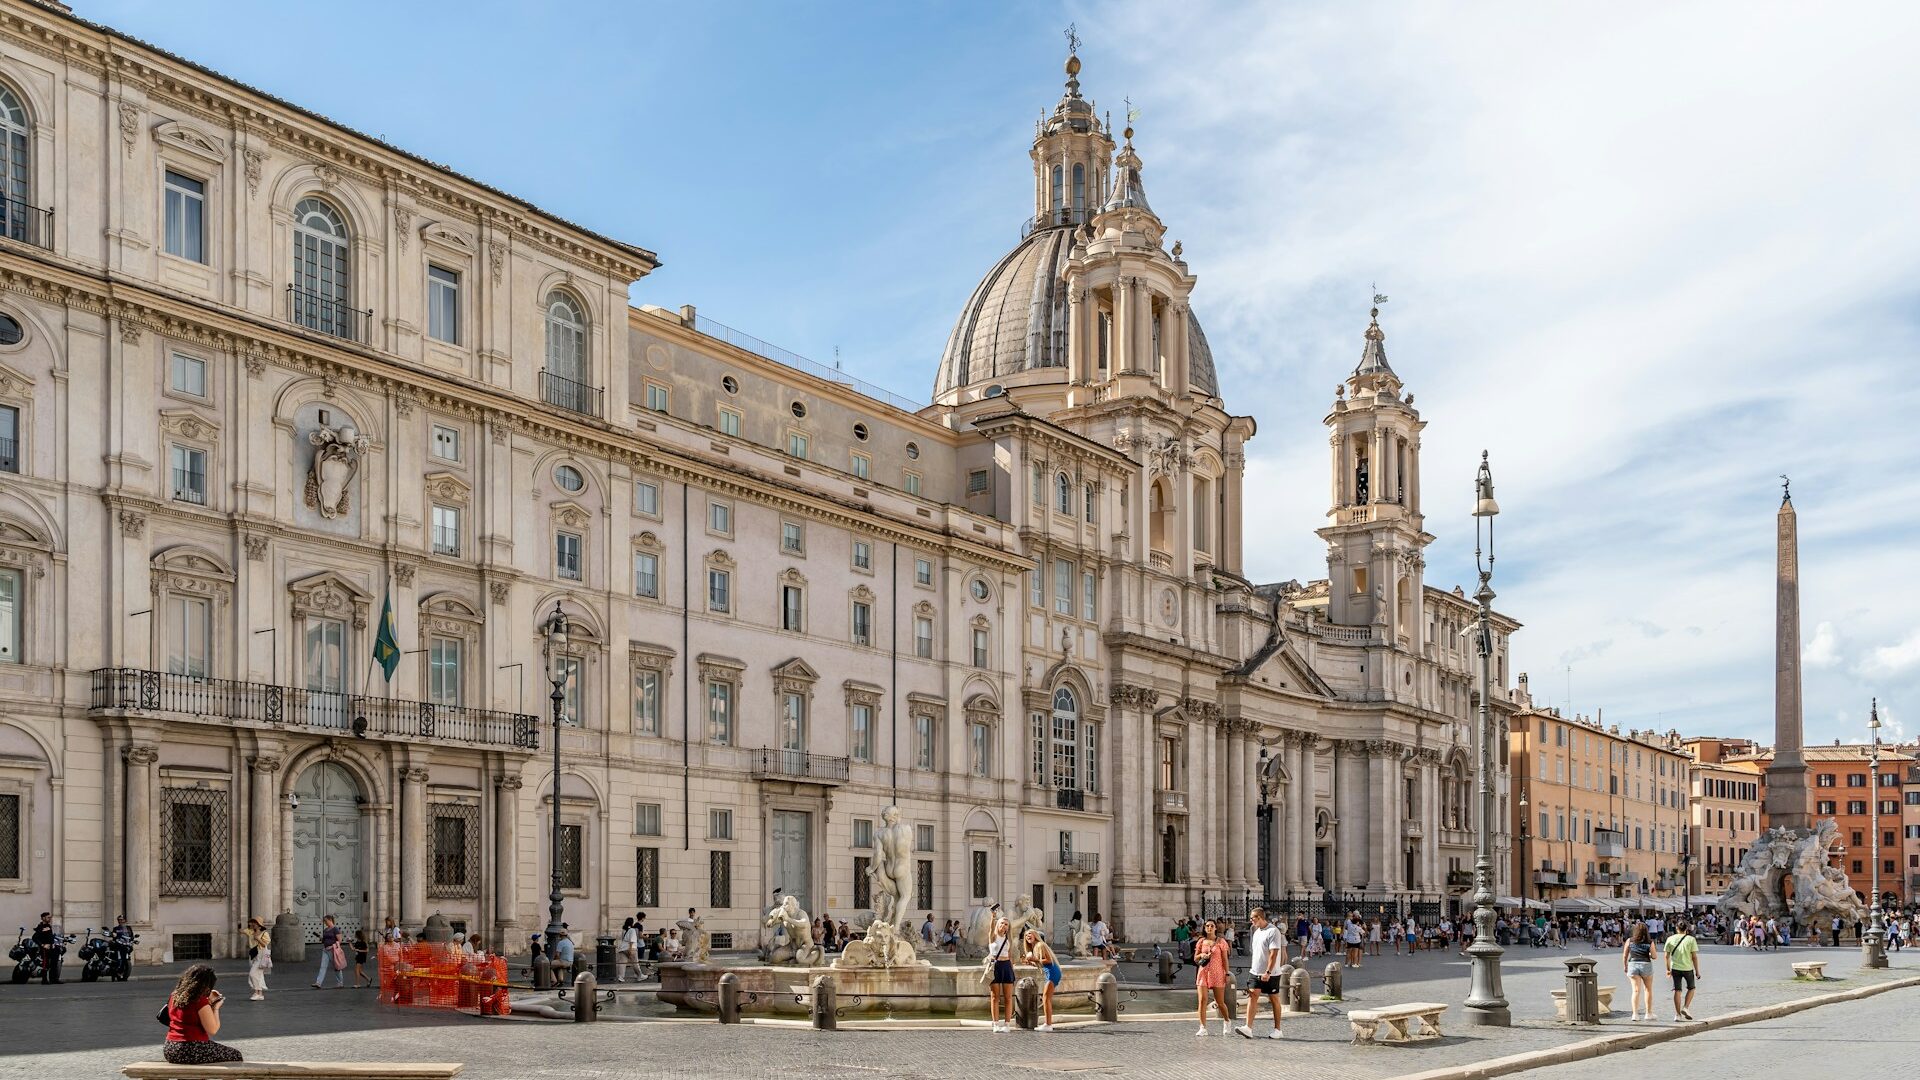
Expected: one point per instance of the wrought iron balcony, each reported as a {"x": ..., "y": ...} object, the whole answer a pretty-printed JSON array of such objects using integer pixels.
[
  {"x": 800, "y": 765},
  {"x": 218, "y": 700},
  {"x": 327, "y": 314},
  {"x": 9, "y": 455},
  {"x": 1552, "y": 878},
  {"x": 26, "y": 223},
  {"x": 1609, "y": 844},
  {"x": 1459, "y": 879},
  {"x": 564, "y": 393},
  {"x": 1069, "y": 798},
  {"x": 1075, "y": 862}
]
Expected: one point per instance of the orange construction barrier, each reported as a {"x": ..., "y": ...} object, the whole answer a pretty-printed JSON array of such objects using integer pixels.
[{"x": 440, "y": 976}]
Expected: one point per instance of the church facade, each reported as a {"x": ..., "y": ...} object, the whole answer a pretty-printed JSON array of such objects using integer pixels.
[{"x": 1019, "y": 613}]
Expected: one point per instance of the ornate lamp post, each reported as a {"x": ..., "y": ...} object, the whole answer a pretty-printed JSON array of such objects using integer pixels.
[
  {"x": 1526, "y": 858},
  {"x": 1486, "y": 1003},
  {"x": 1873, "y": 944},
  {"x": 556, "y": 630}
]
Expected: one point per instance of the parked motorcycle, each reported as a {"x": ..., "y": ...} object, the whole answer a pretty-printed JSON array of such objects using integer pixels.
[
  {"x": 120, "y": 956},
  {"x": 26, "y": 958},
  {"x": 96, "y": 958}
]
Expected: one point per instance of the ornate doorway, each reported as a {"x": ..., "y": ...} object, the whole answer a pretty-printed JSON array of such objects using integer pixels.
[
  {"x": 792, "y": 856},
  {"x": 329, "y": 870}
]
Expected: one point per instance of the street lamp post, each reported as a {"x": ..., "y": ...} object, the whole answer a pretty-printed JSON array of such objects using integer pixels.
[
  {"x": 1486, "y": 1003},
  {"x": 556, "y": 630},
  {"x": 1526, "y": 861},
  {"x": 1873, "y": 943}
]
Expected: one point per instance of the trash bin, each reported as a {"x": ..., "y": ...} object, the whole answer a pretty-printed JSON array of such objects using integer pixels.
[
  {"x": 1583, "y": 990},
  {"x": 603, "y": 958}
]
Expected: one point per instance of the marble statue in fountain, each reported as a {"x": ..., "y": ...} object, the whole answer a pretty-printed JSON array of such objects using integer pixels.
[
  {"x": 799, "y": 947},
  {"x": 1781, "y": 856}
]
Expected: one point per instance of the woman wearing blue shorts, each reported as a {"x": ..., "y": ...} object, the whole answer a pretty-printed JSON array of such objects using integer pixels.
[{"x": 1041, "y": 954}]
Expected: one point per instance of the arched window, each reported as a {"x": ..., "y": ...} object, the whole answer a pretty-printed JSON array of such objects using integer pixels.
[
  {"x": 566, "y": 338},
  {"x": 1088, "y": 502},
  {"x": 15, "y": 177},
  {"x": 321, "y": 248},
  {"x": 1159, "y": 516},
  {"x": 1066, "y": 739},
  {"x": 1079, "y": 190},
  {"x": 1063, "y": 494},
  {"x": 1059, "y": 196}
]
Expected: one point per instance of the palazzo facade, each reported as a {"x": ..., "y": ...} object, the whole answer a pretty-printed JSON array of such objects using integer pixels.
[{"x": 1019, "y": 613}]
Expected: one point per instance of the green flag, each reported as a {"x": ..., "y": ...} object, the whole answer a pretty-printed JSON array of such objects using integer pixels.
[{"x": 386, "y": 644}]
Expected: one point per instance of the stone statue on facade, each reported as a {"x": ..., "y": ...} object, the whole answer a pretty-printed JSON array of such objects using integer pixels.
[
  {"x": 892, "y": 873},
  {"x": 336, "y": 461},
  {"x": 789, "y": 920}
]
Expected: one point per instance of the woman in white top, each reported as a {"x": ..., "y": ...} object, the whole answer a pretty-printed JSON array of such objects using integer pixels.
[
  {"x": 1000, "y": 966},
  {"x": 629, "y": 953}
]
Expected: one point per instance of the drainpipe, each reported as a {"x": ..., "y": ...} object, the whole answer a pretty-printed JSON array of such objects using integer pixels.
[{"x": 686, "y": 675}]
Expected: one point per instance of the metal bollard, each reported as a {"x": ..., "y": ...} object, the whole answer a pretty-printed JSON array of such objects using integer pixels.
[
  {"x": 1300, "y": 991},
  {"x": 825, "y": 1001},
  {"x": 1107, "y": 997},
  {"x": 1165, "y": 969},
  {"x": 541, "y": 980},
  {"x": 586, "y": 1003},
  {"x": 1583, "y": 990},
  {"x": 1335, "y": 980},
  {"x": 1026, "y": 1003},
  {"x": 729, "y": 998}
]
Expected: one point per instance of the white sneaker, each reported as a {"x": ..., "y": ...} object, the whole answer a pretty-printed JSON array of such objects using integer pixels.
[
  {"x": 1202, "y": 1032},
  {"x": 1243, "y": 1031},
  {"x": 999, "y": 1027},
  {"x": 1226, "y": 1029},
  {"x": 1636, "y": 1018},
  {"x": 1044, "y": 1027},
  {"x": 1275, "y": 1034}
]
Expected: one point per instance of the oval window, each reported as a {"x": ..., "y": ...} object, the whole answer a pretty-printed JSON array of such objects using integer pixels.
[
  {"x": 913, "y": 450},
  {"x": 980, "y": 591},
  {"x": 860, "y": 432},
  {"x": 730, "y": 384},
  {"x": 569, "y": 478},
  {"x": 10, "y": 332},
  {"x": 800, "y": 410}
]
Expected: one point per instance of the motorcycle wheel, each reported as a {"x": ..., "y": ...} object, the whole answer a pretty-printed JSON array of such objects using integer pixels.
[
  {"x": 21, "y": 974},
  {"x": 89, "y": 974}
]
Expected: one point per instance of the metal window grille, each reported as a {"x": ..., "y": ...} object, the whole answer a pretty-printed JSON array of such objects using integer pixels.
[
  {"x": 979, "y": 875},
  {"x": 192, "y": 947},
  {"x": 570, "y": 875},
  {"x": 720, "y": 879},
  {"x": 193, "y": 831},
  {"x": 646, "y": 877},
  {"x": 9, "y": 836},
  {"x": 923, "y": 884},
  {"x": 862, "y": 884},
  {"x": 456, "y": 850}
]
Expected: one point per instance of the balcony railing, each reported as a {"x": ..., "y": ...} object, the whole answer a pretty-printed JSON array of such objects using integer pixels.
[
  {"x": 190, "y": 487},
  {"x": 327, "y": 314},
  {"x": 1076, "y": 862},
  {"x": 562, "y": 392},
  {"x": 321, "y": 710},
  {"x": 800, "y": 765},
  {"x": 1609, "y": 844},
  {"x": 1172, "y": 801},
  {"x": 1069, "y": 798},
  {"x": 1459, "y": 879},
  {"x": 1552, "y": 878},
  {"x": 9, "y": 455},
  {"x": 26, "y": 223}
]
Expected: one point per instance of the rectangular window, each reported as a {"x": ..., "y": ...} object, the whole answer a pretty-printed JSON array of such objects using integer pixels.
[
  {"x": 450, "y": 869},
  {"x": 862, "y": 623},
  {"x": 646, "y": 497},
  {"x": 190, "y": 843},
  {"x": 188, "y": 375},
  {"x": 446, "y": 530},
  {"x": 720, "y": 713},
  {"x": 793, "y": 722},
  {"x": 979, "y": 647},
  {"x": 1856, "y": 806},
  {"x": 980, "y": 749},
  {"x": 1088, "y": 595},
  {"x": 9, "y": 439},
  {"x": 646, "y": 702},
  {"x": 9, "y": 837},
  {"x": 443, "y": 305},
  {"x": 646, "y": 574},
  {"x": 186, "y": 234},
  {"x": 922, "y": 572},
  {"x": 1913, "y": 798},
  {"x": 646, "y": 877},
  {"x": 912, "y": 484},
  {"x": 646, "y": 819},
  {"x": 1037, "y": 730},
  {"x": 570, "y": 856},
  {"x": 797, "y": 444},
  {"x": 790, "y": 609},
  {"x": 1889, "y": 806},
  {"x": 860, "y": 739},
  {"x": 657, "y": 397},
  {"x": 863, "y": 832},
  {"x": 1037, "y": 582},
  {"x": 720, "y": 518},
  {"x": 570, "y": 668},
  {"x": 862, "y": 881},
  {"x": 923, "y": 638},
  {"x": 862, "y": 555},
  {"x": 720, "y": 879},
  {"x": 719, "y": 590},
  {"x": 566, "y": 555},
  {"x": 12, "y": 617},
  {"x": 1088, "y": 501},
  {"x": 979, "y": 875},
  {"x": 189, "y": 474},
  {"x": 1824, "y": 806},
  {"x": 1038, "y": 486},
  {"x": 923, "y": 884},
  {"x": 1090, "y": 735},
  {"x": 446, "y": 443},
  {"x": 189, "y": 626},
  {"x": 862, "y": 466},
  {"x": 1063, "y": 586},
  {"x": 719, "y": 824},
  {"x": 1856, "y": 779},
  {"x": 443, "y": 671},
  {"x": 923, "y": 744},
  {"x": 729, "y": 421},
  {"x": 923, "y": 838},
  {"x": 977, "y": 482},
  {"x": 793, "y": 539}
]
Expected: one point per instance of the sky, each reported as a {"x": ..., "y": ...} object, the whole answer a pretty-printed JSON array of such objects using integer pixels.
[{"x": 1649, "y": 257}]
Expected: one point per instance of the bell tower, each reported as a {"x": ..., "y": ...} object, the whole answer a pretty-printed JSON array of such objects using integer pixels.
[
  {"x": 1375, "y": 531},
  {"x": 1071, "y": 151}
]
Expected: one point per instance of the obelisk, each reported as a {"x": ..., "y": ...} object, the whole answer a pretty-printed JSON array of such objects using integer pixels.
[{"x": 1786, "y": 802}]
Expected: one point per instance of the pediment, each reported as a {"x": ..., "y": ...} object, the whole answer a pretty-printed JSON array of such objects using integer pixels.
[
  {"x": 14, "y": 382},
  {"x": 447, "y": 487},
  {"x": 571, "y": 514},
  {"x": 797, "y": 669},
  {"x": 187, "y": 424},
  {"x": 449, "y": 605},
  {"x": 445, "y": 235},
  {"x": 191, "y": 560},
  {"x": 329, "y": 580},
  {"x": 191, "y": 139}
]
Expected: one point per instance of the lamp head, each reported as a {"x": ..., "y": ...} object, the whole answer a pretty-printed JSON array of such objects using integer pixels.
[
  {"x": 556, "y": 627},
  {"x": 1483, "y": 505},
  {"x": 1873, "y": 717}
]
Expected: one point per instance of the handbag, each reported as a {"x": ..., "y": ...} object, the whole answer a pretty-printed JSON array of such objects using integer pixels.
[
  {"x": 339, "y": 957},
  {"x": 165, "y": 1019}
]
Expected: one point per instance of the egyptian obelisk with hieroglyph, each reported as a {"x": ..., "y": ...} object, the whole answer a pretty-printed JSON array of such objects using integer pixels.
[{"x": 1786, "y": 802}]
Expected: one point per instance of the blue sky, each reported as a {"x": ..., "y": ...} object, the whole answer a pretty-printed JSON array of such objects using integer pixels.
[{"x": 1649, "y": 256}]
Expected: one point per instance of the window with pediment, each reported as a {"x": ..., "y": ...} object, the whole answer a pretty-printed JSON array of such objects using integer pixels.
[
  {"x": 651, "y": 666},
  {"x": 191, "y": 592},
  {"x": 450, "y": 641}
]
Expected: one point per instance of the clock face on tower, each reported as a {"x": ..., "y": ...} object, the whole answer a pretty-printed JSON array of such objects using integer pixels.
[{"x": 1169, "y": 606}]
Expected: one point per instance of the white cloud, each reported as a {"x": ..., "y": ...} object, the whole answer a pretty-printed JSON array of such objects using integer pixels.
[
  {"x": 1895, "y": 659},
  {"x": 1823, "y": 649}
]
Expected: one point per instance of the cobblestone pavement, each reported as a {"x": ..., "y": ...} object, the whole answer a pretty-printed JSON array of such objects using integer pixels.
[{"x": 89, "y": 1030}]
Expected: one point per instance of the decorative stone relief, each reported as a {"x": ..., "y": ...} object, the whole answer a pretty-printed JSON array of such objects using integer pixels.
[
  {"x": 256, "y": 547},
  {"x": 336, "y": 461},
  {"x": 187, "y": 425},
  {"x": 133, "y": 523},
  {"x": 402, "y": 222},
  {"x": 403, "y": 575},
  {"x": 129, "y": 125},
  {"x": 329, "y": 175},
  {"x": 499, "y": 590},
  {"x": 256, "y": 365},
  {"x": 496, "y": 260},
  {"x": 1129, "y": 696},
  {"x": 254, "y": 160}
]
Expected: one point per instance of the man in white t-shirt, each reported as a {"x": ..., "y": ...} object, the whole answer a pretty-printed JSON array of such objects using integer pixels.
[
  {"x": 1269, "y": 952},
  {"x": 1098, "y": 934}
]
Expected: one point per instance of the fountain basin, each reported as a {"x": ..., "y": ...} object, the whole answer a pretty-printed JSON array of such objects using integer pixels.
[{"x": 933, "y": 990}]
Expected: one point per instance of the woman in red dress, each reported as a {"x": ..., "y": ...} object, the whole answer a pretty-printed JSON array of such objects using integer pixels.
[{"x": 1210, "y": 957}]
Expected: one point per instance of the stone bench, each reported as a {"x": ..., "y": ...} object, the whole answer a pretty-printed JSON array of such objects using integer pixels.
[
  {"x": 1560, "y": 1002},
  {"x": 1811, "y": 970},
  {"x": 286, "y": 1070},
  {"x": 1366, "y": 1022}
]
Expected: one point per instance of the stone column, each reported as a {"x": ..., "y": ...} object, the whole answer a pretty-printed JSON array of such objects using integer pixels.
[
  {"x": 413, "y": 840},
  {"x": 1078, "y": 355},
  {"x": 142, "y": 835},
  {"x": 1430, "y": 822},
  {"x": 1143, "y": 325},
  {"x": 1237, "y": 828},
  {"x": 1249, "y": 812},
  {"x": 1120, "y": 336},
  {"x": 264, "y": 867},
  {"x": 1378, "y": 803},
  {"x": 506, "y": 855},
  {"x": 1199, "y": 800},
  {"x": 1222, "y": 799},
  {"x": 1303, "y": 819},
  {"x": 1287, "y": 850}
]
